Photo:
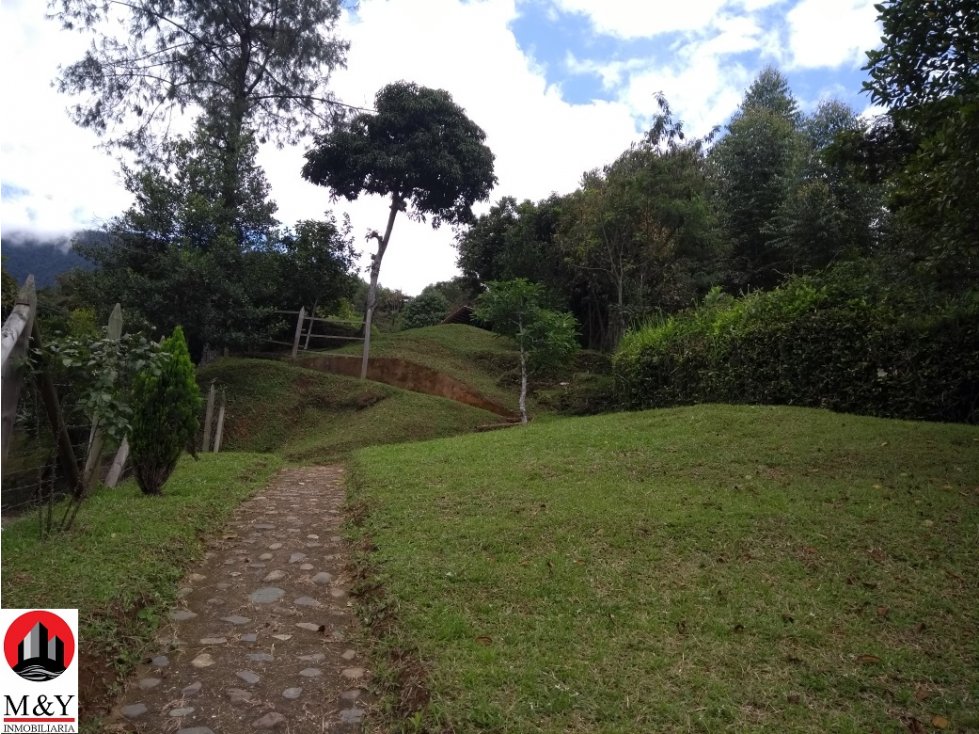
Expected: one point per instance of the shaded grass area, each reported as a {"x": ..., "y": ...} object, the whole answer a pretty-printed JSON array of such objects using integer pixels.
[
  {"x": 120, "y": 563},
  {"x": 312, "y": 417},
  {"x": 705, "y": 569},
  {"x": 474, "y": 356}
]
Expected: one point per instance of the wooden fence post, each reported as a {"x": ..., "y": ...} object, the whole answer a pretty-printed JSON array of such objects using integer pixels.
[
  {"x": 309, "y": 331},
  {"x": 220, "y": 431},
  {"x": 16, "y": 336},
  {"x": 97, "y": 438},
  {"x": 299, "y": 331},
  {"x": 118, "y": 463},
  {"x": 208, "y": 418}
]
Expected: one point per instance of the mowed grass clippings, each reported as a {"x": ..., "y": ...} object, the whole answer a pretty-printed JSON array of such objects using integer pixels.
[
  {"x": 705, "y": 569},
  {"x": 120, "y": 563}
]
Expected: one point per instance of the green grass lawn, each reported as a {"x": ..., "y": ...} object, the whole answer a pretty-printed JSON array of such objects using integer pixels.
[
  {"x": 120, "y": 563},
  {"x": 706, "y": 569},
  {"x": 310, "y": 417}
]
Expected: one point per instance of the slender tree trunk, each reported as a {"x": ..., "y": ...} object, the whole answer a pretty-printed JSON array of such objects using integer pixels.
[
  {"x": 523, "y": 387},
  {"x": 397, "y": 203},
  {"x": 523, "y": 375},
  {"x": 620, "y": 292}
]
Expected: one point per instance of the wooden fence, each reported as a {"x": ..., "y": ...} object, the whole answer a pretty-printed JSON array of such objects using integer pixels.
[{"x": 304, "y": 332}]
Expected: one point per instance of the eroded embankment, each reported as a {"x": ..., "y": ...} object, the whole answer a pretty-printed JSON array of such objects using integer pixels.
[{"x": 408, "y": 376}]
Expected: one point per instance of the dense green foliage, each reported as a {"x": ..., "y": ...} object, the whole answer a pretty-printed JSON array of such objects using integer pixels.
[
  {"x": 166, "y": 405},
  {"x": 425, "y": 309},
  {"x": 652, "y": 232},
  {"x": 200, "y": 246},
  {"x": 103, "y": 372},
  {"x": 843, "y": 340},
  {"x": 417, "y": 146},
  {"x": 780, "y": 194},
  {"x": 706, "y": 569},
  {"x": 178, "y": 256},
  {"x": 927, "y": 74}
]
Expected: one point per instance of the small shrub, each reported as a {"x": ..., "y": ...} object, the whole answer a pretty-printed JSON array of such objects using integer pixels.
[
  {"x": 165, "y": 409},
  {"x": 427, "y": 309}
]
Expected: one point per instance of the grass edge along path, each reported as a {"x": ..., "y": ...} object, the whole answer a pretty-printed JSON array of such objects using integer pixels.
[
  {"x": 701, "y": 569},
  {"x": 120, "y": 564}
]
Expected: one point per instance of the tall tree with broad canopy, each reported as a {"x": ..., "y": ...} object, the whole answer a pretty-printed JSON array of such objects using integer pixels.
[
  {"x": 639, "y": 230},
  {"x": 261, "y": 65},
  {"x": 421, "y": 149}
]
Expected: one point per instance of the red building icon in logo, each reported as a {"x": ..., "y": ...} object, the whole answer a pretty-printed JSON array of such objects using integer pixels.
[{"x": 39, "y": 646}]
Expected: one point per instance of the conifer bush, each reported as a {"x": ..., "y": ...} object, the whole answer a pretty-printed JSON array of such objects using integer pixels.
[{"x": 166, "y": 405}]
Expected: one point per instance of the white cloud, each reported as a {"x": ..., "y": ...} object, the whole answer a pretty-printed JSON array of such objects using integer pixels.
[
  {"x": 42, "y": 152},
  {"x": 832, "y": 33},
  {"x": 631, "y": 19},
  {"x": 542, "y": 143},
  {"x": 702, "y": 90}
]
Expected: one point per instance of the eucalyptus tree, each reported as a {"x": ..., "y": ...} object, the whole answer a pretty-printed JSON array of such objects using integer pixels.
[{"x": 419, "y": 148}]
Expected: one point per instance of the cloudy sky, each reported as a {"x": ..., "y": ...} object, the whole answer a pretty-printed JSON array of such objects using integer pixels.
[{"x": 559, "y": 86}]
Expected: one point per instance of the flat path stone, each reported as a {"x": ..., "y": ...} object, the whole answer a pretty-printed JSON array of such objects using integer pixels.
[
  {"x": 266, "y": 595},
  {"x": 260, "y": 649},
  {"x": 271, "y": 720},
  {"x": 249, "y": 676},
  {"x": 134, "y": 710}
]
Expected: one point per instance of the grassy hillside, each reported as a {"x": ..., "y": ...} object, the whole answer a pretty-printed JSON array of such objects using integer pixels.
[
  {"x": 474, "y": 356},
  {"x": 312, "y": 417},
  {"x": 707, "y": 569}
]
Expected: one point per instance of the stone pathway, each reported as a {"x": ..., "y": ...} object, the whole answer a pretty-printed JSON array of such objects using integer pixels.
[{"x": 259, "y": 639}]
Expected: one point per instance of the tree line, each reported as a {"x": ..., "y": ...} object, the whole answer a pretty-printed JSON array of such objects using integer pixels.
[{"x": 774, "y": 194}]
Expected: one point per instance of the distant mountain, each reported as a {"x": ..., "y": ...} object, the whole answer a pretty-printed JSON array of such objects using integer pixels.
[{"x": 46, "y": 258}]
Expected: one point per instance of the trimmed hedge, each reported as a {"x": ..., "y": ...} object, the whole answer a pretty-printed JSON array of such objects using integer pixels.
[{"x": 843, "y": 341}]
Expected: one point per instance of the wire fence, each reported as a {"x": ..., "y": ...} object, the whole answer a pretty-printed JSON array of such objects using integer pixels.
[{"x": 32, "y": 473}]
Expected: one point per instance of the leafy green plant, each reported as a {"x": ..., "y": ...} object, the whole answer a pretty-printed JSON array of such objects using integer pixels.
[
  {"x": 102, "y": 373},
  {"x": 426, "y": 309},
  {"x": 544, "y": 338},
  {"x": 166, "y": 406}
]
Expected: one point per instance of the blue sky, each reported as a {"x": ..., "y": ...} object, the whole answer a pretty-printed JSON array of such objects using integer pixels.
[{"x": 560, "y": 87}]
